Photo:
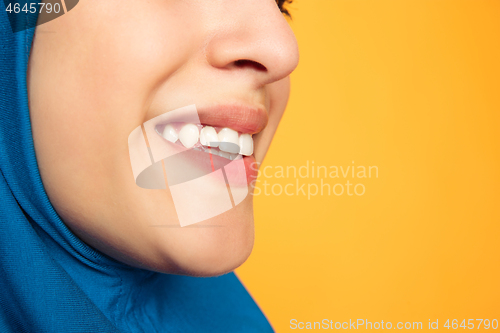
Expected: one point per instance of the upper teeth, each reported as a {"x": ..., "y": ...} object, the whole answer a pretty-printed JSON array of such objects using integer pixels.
[
  {"x": 246, "y": 144},
  {"x": 189, "y": 135},
  {"x": 228, "y": 140},
  {"x": 208, "y": 137}
]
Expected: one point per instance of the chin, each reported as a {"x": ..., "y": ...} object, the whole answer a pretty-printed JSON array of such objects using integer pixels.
[
  {"x": 216, "y": 260},
  {"x": 209, "y": 248}
]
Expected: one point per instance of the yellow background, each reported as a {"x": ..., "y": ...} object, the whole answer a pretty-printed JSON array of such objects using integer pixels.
[{"x": 413, "y": 87}]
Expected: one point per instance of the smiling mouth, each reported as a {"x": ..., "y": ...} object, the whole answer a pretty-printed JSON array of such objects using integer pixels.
[
  {"x": 165, "y": 152},
  {"x": 221, "y": 141}
]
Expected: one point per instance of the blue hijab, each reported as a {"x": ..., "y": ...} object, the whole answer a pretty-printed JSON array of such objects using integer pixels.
[{"x": 50, "y": 281}]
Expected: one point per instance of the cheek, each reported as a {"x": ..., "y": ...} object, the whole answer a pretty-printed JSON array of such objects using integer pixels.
[
  {"x": 93, "y": 79},
  {"x": 114, "y": 65}
]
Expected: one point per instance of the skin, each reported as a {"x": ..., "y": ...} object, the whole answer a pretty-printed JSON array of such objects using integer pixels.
[{"x": 106, "y": 67}]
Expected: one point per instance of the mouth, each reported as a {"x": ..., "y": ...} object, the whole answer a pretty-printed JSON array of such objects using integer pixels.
[{"x": 223, "y": 131}]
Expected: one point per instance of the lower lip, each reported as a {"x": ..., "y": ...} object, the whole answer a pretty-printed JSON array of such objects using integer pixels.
[
  {"x": 250, "y": 168},
  {"x": 232, "y": 174}
]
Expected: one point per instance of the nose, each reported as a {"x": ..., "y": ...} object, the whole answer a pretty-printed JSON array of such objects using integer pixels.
[{"x": 254, "y": 37}]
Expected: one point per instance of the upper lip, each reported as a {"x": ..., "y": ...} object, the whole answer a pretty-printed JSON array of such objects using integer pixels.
[{"x": 242, "y": 118}]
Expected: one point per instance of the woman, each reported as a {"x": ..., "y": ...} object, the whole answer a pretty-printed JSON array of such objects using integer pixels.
[{"x": 83, "y": 248}]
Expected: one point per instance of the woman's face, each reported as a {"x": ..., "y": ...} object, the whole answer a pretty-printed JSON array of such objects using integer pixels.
[{"x": 106, "y": 67}]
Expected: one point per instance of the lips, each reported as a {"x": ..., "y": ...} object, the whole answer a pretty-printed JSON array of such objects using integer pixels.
[
  {"x": 223, "y": 131},
  {"x": 227, "y": 129}
]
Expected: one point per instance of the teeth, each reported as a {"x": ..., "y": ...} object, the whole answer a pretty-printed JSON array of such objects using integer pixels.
[
  {"x": 208, "y": 137},
  {"x": 214, "y": 152},
  {"x": 229, "y": 156},
  {"x": 189, "y": 135},
  {"x": 229, "y": 141},
  {"x": 230, "y": 144},
  {"x": 246, "y": 144},
  {"x": 170, "y": 133}
]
